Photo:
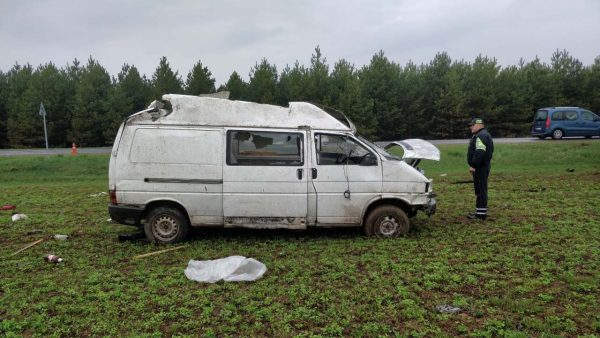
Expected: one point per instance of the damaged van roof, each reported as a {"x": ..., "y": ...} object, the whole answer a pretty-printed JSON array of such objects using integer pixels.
[{"x": 208, "y": 111}]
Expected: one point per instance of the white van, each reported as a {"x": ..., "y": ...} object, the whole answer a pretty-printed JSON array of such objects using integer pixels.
[{"x": 217, "y": 162}]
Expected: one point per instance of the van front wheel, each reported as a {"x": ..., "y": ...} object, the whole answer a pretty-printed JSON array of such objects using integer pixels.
[
  {"x": 387, "y": 221},
  {"x": 166, "y": 225}
]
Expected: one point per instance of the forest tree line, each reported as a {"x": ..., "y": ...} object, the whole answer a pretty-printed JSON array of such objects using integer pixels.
[{"x": 386, "y": 100}]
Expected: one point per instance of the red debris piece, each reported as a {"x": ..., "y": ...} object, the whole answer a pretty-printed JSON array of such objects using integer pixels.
[{"x": 8, "y": 207}]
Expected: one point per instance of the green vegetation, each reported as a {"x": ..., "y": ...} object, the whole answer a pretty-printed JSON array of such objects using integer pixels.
[
  {"x": 532, "y": 270},
  {"x": 385, "y": 99}
]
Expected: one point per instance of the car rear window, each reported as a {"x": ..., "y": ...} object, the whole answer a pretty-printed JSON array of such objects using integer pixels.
[{"x": 541, "y": 115}]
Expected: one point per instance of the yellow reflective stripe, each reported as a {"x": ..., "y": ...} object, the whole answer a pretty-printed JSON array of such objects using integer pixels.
[{"x": 479, "y": 145}]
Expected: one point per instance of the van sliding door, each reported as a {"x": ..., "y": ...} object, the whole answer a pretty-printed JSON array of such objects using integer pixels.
[{"x": 265, "y": 179}]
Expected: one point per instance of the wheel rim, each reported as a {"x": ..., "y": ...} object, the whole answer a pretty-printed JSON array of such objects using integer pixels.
[
  {"x": 388, "y": 226},
  {"x": 557, "y": 133},
  {"x": 165, "y": 228}
]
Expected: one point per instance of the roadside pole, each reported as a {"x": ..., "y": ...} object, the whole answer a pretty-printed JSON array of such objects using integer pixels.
[{"x": 43, "y": 113}]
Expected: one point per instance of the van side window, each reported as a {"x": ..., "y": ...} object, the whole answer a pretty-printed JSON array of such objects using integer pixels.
[
  {"x": 558, "y": 116},
  {"x": 338, "y": 150},
  {"x": 588, "y": 116},
  {"x": 571, "y": 115},
  {"x": 249, "y": 147}
]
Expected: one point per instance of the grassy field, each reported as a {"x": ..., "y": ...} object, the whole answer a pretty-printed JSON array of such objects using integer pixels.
[{"x": 533, "y": 269}]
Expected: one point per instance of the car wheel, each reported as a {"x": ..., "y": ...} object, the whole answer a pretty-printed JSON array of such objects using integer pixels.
[
  {"x": 557, "y": 134},
  {"x": 588, "y": 136},
  {"x": 166, "y": 225},
  {"x": 387, "y": 221}
]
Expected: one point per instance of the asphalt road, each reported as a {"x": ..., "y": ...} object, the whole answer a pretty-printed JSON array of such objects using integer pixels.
[{"x": 106, "y": 150}]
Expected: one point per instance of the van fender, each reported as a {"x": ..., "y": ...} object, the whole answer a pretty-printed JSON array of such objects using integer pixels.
[
  {"x": 149, "y": 205},
  {"x": 381, "y": 200}
]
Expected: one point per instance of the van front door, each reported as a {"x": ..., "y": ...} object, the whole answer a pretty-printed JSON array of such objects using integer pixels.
[
  {"x": 345, "y": 176},
  {"x": 265, "y": 179}
]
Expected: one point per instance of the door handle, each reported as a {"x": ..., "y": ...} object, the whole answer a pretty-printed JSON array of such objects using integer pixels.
[
  {"x": 299, "y": 173},
  {"x": 314, "y": 173}
]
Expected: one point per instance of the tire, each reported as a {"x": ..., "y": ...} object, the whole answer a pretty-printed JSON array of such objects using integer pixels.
[
  {"x": 557, "y": 134},
  {"x": 166, "y": 225},
  {"x": 387, "y": 221},
  {"x": 588, "y": 136}
]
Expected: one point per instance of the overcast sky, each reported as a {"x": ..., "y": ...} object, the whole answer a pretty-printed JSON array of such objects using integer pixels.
[{"x": 229, "y": 35}]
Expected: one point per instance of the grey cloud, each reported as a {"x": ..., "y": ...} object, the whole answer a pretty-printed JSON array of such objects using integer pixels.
[{"x": 233, "y": 35}]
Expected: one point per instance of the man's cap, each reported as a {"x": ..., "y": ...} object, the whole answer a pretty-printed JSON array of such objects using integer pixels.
[{"x": 476, "y": 120}]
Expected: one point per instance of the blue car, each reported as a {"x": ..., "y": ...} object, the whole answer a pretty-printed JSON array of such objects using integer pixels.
[{"x": 558, "y": 122}]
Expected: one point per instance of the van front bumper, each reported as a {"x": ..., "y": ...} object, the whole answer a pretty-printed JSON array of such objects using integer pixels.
[
  {"x": 430, "y": 207},
  {"x": 130, "y": 215}
]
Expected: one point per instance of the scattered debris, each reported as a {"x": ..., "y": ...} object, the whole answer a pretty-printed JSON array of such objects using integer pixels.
[
  {"x": 536, "y": 189},
  {"x": 132, "y": 237},
  {"x": 34, "y": 231},
  {"x": 60, "y": 237},
  {"x": 8, "y": 207},
  {"x": 447, "y": 309},
  {"x": 53, "y": 258},
  {"x": 443, "y": 175},
  {"x": 109, "y": 220},
  {"x": 229, "y": 269},
  {"x": 159, "y": 252},
  {"x": 29, "y": 246},
  {"x": 102, "y": 193},
  {"x": 570, "y": 170},
  {"x": 18, "y": 217}
]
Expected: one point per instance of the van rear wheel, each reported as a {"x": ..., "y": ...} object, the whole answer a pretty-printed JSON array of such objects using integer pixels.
[
  {"x": 557, "y": 134},
  {"x": 166, "y": 225},
  {"x": 387, "y": 221}
]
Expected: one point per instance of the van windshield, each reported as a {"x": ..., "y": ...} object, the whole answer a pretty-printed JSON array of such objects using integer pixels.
[{"x": 541, "y": 115}]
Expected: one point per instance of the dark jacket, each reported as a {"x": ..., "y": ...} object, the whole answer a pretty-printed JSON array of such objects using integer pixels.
[{"x": 481, "y": 149}]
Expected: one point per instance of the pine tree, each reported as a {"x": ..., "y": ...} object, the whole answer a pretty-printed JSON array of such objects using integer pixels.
[
  {"x": 165, "y": 81},
  {"x": 3, "y": 109},
  {"x": 199, "y": 81},
  {"x": 90, "y": 105},
  {"x": 237, "y": 87},
  {"x": 262, "y": 87},
  {"x": 50, "y": 86},
  {"x": 18, "y": 107},
  {"x": 410, "y": 101},
  {"x": 434, "y": 85},
  {"x": 128, "y": 94},
  {"x": 568, "y": 75},
  {"x": 448, "y": 120},
  {"x": 292, "y": 84},
  {"x": 345, "y": 94},
  {"x": 592, "y": 86},
  {"x": 480, "y": 90},
  {"x": 541, "y": 88},
  {"x": 317, "y": 78},
  {"x": 380, "y": 81}
]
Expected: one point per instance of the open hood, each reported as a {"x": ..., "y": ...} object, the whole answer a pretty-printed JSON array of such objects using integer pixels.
[{"x": 416, "y": 149}]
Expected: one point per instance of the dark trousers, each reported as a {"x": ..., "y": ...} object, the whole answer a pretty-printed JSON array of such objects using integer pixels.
[{"x": 480, "y": 183}]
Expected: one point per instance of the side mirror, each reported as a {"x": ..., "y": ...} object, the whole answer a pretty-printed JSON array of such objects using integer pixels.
[{"x": 368, "y": 159}]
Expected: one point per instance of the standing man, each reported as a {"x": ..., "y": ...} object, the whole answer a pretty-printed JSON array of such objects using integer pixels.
[{"x": 479, "y": 158}]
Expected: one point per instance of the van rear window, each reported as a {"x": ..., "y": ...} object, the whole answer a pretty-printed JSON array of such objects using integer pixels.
[
  {"x": 249, "y": 147},
  {"x": 541, "y": 115}
]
